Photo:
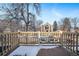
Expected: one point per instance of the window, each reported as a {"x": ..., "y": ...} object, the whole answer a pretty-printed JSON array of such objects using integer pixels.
[{"x": 46, "y": 27}]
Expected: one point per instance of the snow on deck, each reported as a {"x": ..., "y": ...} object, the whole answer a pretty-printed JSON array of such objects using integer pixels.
[{"x": 29, "y": 50}]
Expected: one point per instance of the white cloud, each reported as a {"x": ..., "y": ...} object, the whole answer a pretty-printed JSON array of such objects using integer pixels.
[
  {"x": 51, "y": 15},
  {"x": 56, "y": 14}
]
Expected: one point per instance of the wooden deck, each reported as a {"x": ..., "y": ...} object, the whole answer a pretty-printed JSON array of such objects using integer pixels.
[
  {"x": 58, "y": 51},
  {"x": 65, "y": 39}
]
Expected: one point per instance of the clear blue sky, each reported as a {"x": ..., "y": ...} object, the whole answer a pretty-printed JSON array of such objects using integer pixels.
[{"x": 56, "y": 11}]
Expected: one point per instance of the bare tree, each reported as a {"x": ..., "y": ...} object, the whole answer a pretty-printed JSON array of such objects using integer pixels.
[
  {"x": 11, "y": 13},
  {"x": 75, "y": 22},
  {"x": 26, "y": 20},
  {"x": 65, "y": 24},
  {"x": 20, "y": 11},
  {"x": 38, "y": 24},
  {"x": 37, "y": 7}
]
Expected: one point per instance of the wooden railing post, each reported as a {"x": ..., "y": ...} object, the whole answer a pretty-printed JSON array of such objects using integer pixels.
[
  {"x": 39, "y": 37},
  {"x": 2, "y": 46},
  {"x": 73, "y": 41},
  {"x": 77, "y": 43},
  {"x": 8, "y": 41},
  {"x": 5, "y": 42},
  {"x": 18, "y": 38}
]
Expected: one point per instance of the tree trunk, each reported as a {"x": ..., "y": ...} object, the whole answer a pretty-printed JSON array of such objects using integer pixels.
[{"x": 27, "y": 17}]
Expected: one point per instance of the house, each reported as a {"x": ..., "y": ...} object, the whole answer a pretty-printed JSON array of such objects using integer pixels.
[{"x": 46, "y": 28}]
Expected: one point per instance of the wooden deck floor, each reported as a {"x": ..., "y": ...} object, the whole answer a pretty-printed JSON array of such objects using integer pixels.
[{"x": 59, "y": 51}]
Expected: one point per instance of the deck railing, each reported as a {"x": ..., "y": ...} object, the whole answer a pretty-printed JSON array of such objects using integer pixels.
[
  {"x": 39, "y": 37},
  {"x": 70, "y": 41},
  {"x": 9, "y": 41}
]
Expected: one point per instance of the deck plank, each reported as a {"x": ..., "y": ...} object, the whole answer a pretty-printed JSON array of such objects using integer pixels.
[{"x": 58, "y": 51}]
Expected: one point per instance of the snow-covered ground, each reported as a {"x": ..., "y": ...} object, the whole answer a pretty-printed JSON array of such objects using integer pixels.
[{"x": 30, "y": 50}]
